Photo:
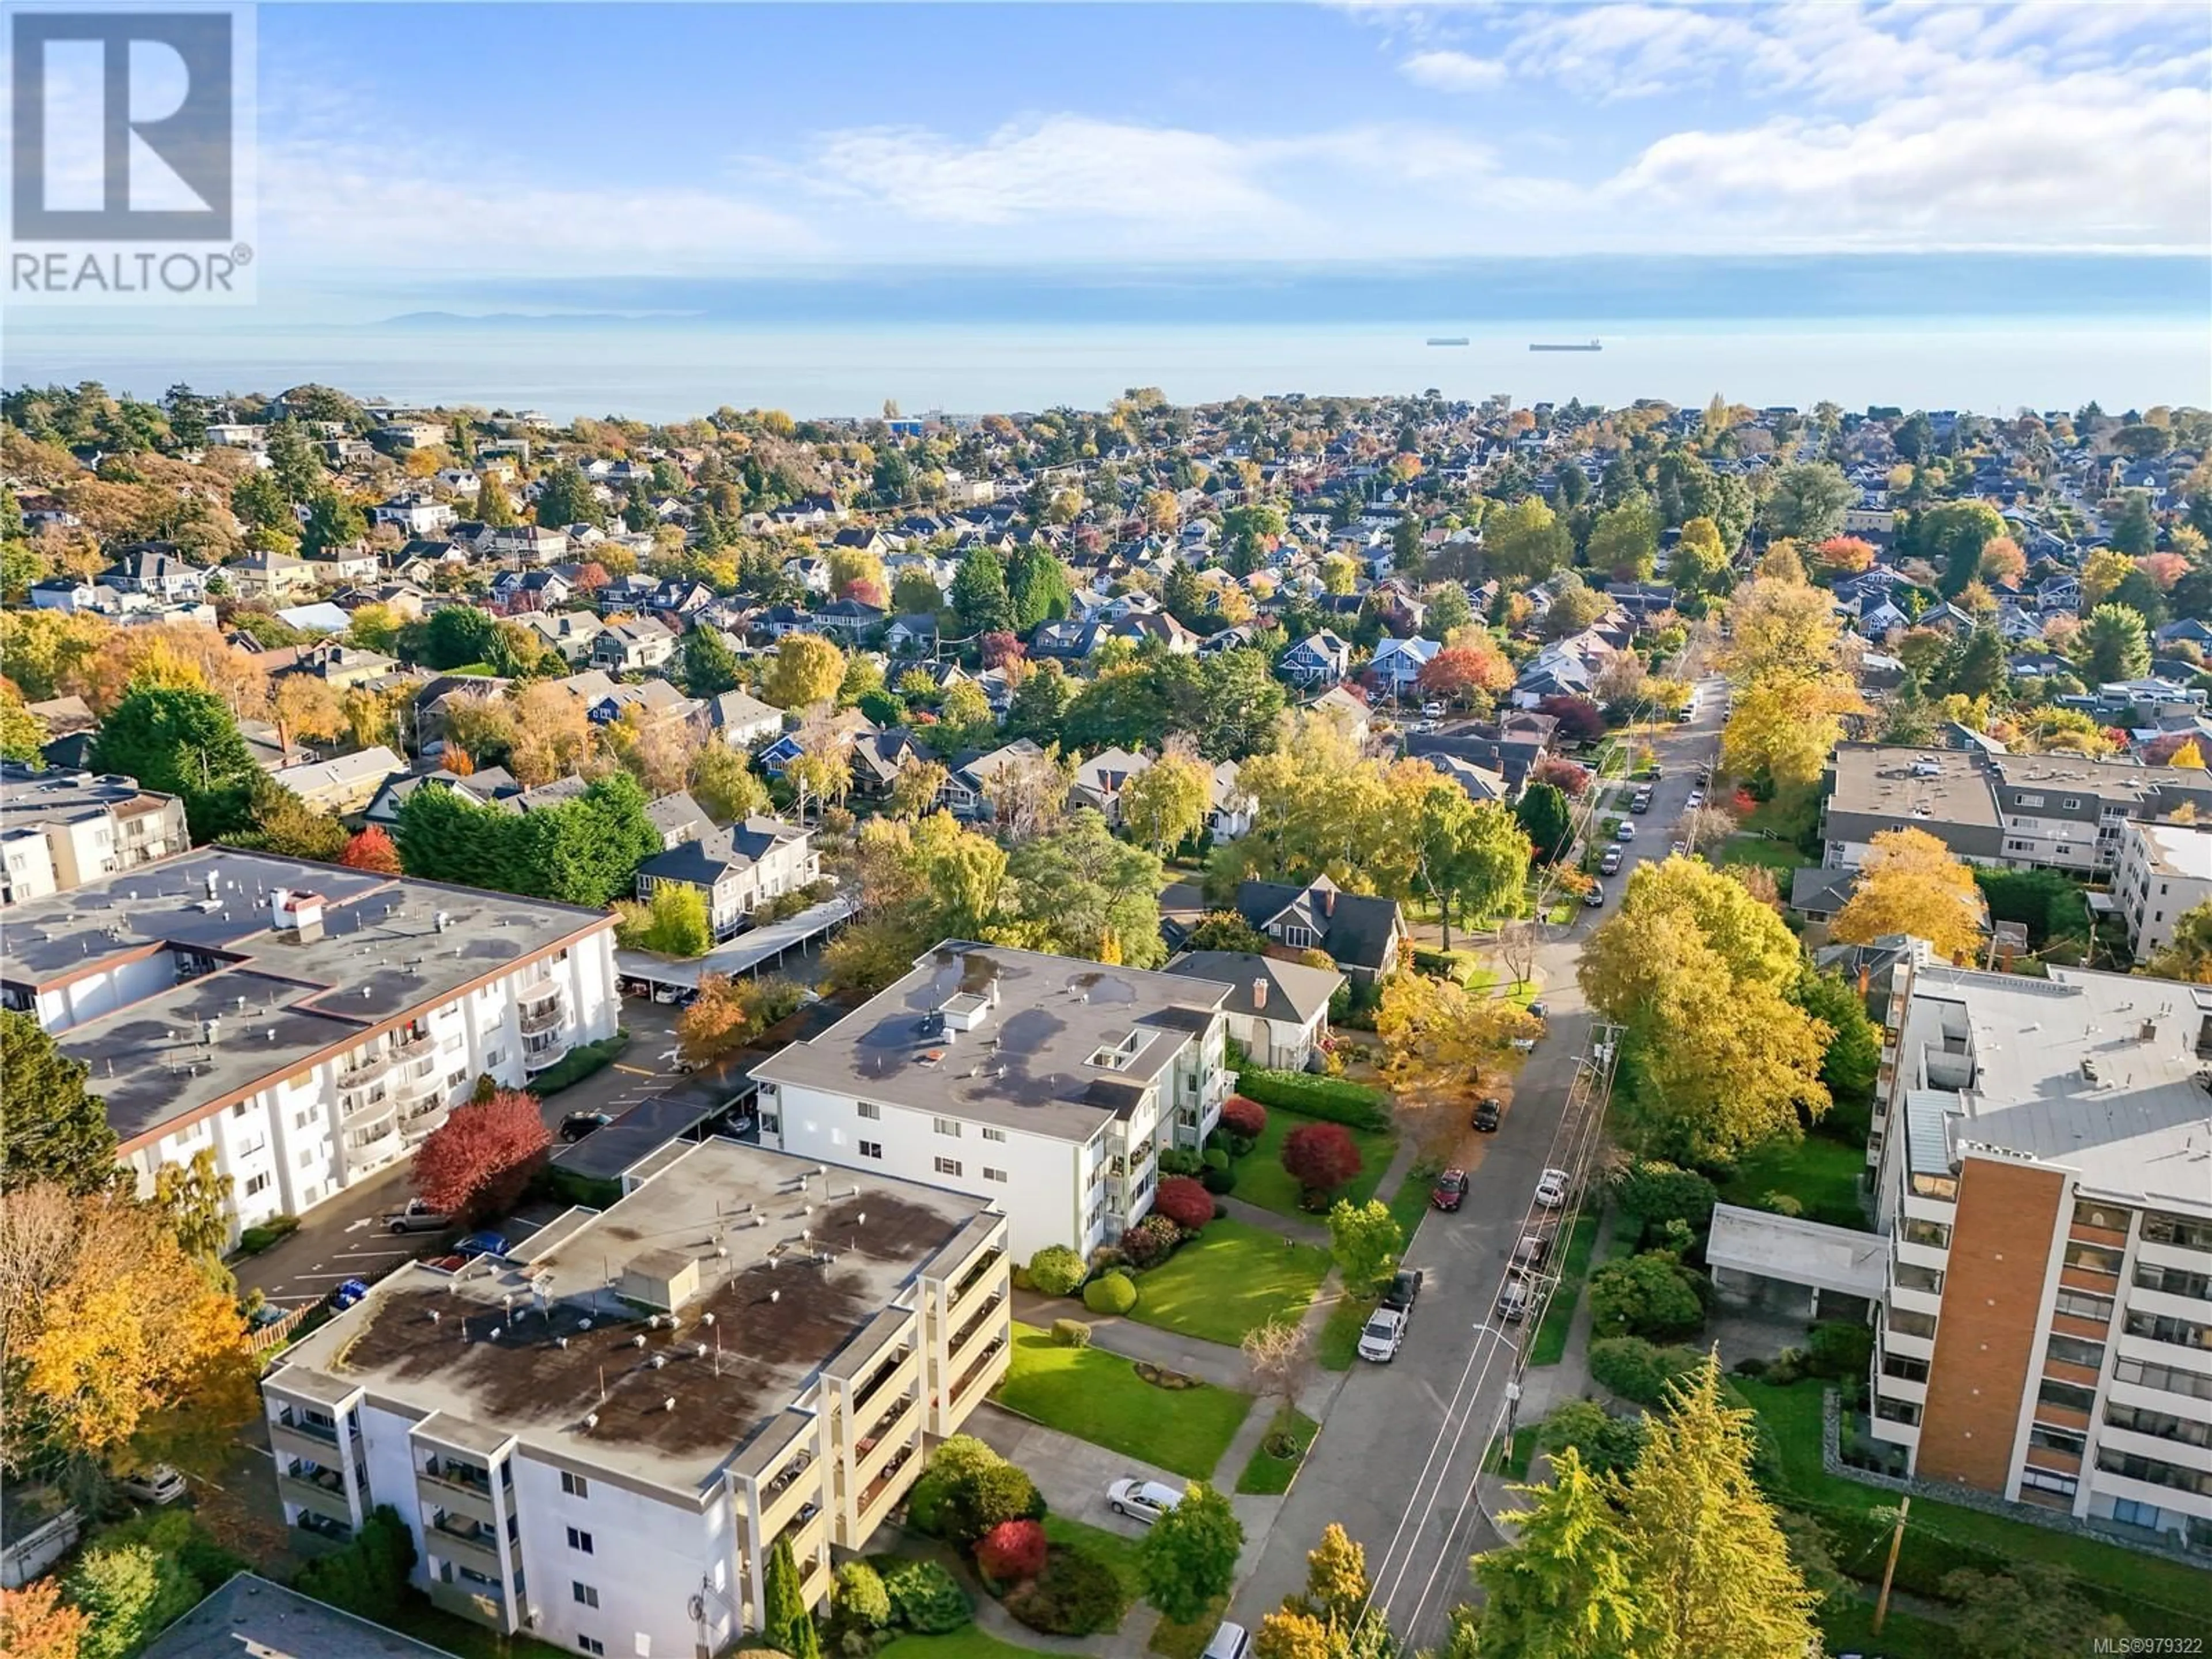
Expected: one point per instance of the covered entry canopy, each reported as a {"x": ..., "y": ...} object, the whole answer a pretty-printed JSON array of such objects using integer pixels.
[{"x": 1796, "y": 1252}]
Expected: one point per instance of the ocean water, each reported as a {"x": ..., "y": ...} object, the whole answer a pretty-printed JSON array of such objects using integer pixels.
[{"x": 1989, "y": 333}]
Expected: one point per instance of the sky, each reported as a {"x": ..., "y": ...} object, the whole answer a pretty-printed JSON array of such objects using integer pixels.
[{"x": 402, "y": 144}]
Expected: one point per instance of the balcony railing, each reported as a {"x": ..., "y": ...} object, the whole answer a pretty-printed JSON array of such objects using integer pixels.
[
  {"x": 544, "y": 1015},
  {"x": 984, "y": 1265}
]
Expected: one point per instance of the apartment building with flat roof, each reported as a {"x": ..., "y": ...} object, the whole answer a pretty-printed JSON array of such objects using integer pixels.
[
  {"x": 310, "y": 1023},
  {"x": 60, "y": 829},
  {"x": 598, "y": 1439},
  {"x": 2164, "y": 871},
  {"x": 2047, "y": 812},
  {"x": 1047, "y": 1083},
  {"x": 2045, "y": 1178}
]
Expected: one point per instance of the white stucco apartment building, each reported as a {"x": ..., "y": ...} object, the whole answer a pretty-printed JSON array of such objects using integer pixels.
[
  {"x": 598, "y": 1441},
  {"x": 2165, "y": 872},
  {"x": 1047, "y": 1083},
  {"x": 309, "y": 1024}
]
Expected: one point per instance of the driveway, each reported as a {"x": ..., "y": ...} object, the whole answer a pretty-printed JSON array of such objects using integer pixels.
[{"x": 1394, "y": 1460}]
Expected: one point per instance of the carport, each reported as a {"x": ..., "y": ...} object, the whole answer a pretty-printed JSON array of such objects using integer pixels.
[
  {"x": 1753, "y": 1255},
  {"x": 642, "y": 973}
]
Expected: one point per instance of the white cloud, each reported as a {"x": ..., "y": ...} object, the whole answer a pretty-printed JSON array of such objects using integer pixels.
[{"x": 1454, "y": 72}]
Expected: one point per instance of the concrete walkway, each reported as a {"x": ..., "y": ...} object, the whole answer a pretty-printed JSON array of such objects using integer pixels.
[{"x": 1194, "y": 1356}]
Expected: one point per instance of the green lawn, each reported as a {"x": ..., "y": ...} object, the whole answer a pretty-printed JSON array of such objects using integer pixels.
[
  {"x": 1510, "y": 1458},
  {"x": 1262, "y": 1180},
  {"x": 1780, "y": 856},
  {"x": 1550, "y": 1345},
  {"x": 1793, "y": 1414},
  {"x": 1174, "y": 1641},
  {"x": 1850, "y": 1629},
  {"x": 1232, "y": 1277},
  {"x": 1268, "y": 1475},
  {"x": 1116, "y": 1551},
  {"x": 1821, "y": 1173},
  {"x": 1098, "y": 1396},
  {"x": 1409, "y": 1205},
  {"x": 968, "y": 1642},
  {"x": 1339, "y": 1348}
]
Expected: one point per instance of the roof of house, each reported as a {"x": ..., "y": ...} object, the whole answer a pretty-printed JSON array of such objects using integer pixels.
[
  {"x": 1354, "y": 928},
  {"x": 1295, "y": 992},
  {"x": 250, "y": 1617},
  {"x": 706, "y": 860}
]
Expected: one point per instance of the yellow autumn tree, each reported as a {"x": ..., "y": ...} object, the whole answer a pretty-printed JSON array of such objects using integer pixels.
[
  {"x": 1777, "y": 625},
  {"x": 119, "y": 1348},
  {"x": 1440, "y": 1036},
  {"x": 1911, "y": 884},
  {"x": 1785, "y": 725},
  {"x": 2188, "y": 755}
]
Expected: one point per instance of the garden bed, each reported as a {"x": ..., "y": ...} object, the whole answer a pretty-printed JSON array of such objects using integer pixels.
[
  {"x": 1098, "y": 1396},
  {"x": 1275, "y": 1461},
  {"x": 1231, "y": 1279},
  {"x": 577, "y": 1064}
]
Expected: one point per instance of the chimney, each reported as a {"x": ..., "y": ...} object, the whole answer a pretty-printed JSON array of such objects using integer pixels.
[
  {"x": 1329, "y": 901},
  {"x": 1260, "y": 995}
]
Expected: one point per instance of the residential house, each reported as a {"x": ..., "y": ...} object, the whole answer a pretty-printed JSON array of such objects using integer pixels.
[
  {"x": 344, "y": 785},
  {"x": 849, "y": 619},
  {"x": 60, "y": 830},
  {"x": 743, "y": 720},
  {"x": 1396, "y": 665},
  {"x": 275, "y": 578},
  {"x": 568, "y": 632},
  {"x": 517, "y": 591},
  {"x": 414, "y": 515},
  {"x": 2163, "y": 873},
  {"x": 157, "y": 569},
  {"x": 1363, "y": 935},
  {"x": 968, "y": 786},
  {"x": 1099, "y": 780},
  {"x": 1278, "y": 1011},
  {"x": 736, "y": 870},
  {"x": 1229, "y": 809},
  {"x": 633, "y": 645},
  {"x": 1317, "y": 660}
]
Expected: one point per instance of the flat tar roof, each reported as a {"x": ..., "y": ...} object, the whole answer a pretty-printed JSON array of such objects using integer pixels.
[
  {"x": 792, "y": 1264},
  {"x": 1028, "y": 1062}
]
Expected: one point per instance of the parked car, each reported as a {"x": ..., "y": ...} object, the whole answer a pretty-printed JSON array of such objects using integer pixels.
[
  {"x": 1513, "y": 1299},
  {"x": 1450, "y": 1191},
  {"x": 1640, "y": 801},
  {"x": 1538, "y": 1009},
  {"x": 1141, "y": 1500},
  {"x": 1594, "y": 897},
  {"x": 1533, "y": 1250},
  {"x": 1626, "y": 832},
  {"x": 1610, "y": 863},
  {"x": 1433, "y": 709},
  {"x": 1696, "y": 799},
  {"x": 1405, "y": 1289},
  {"x": 577, "y": 1125},
  {"x": 416, "y": 1218},
  {"x": 1384, "y": 1334},
  {"x": 267, "y": 1314},
  {"x": 1487, "y": 1111},
  {"x": 349, "y": 1293},
  {"x": 158, "y": 1485},
  {"x": 1552, "y": 1188},
  {"x": 1229, "y": 1641},
  {"x": 486, "y": 1242}
]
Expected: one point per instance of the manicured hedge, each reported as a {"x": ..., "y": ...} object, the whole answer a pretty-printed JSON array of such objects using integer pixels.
[
  {"x": 579, "y": 1063},
  {"x": 258, "y": 1237},
  {"x": 1330, "y": 1098},
  {"x": 1110, "y": 1293}
]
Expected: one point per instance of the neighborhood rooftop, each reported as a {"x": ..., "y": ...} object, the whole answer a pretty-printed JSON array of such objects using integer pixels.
[
  {"x": 1051, "y": 1045},
  {"x": 656, "y": 1339}
]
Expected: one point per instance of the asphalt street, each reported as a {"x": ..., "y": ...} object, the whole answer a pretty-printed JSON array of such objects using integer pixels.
[{"x": 1396, "y": 1461}]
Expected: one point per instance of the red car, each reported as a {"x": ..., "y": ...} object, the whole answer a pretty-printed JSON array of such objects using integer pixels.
[{"x": 1450, "y": 1190}]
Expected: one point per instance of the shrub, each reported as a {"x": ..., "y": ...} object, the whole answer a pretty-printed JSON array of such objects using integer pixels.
[
  {"x": 986, "y": 1497},
  {"x": 1839, "y": 1348},
  {"x": 579, "y": 1063},
  {"x": 1650, "y": 1295},
  {"x": 1608, "y": 1444},
  {"x": 1011, "y": 1552},
  {"x": 1055, "y": 1270},
  {"x": 1151, "y": 1241},
  {"x": 1110, "y": 1293},
  {"x": 1241, "y": 1115},
  {"x": 1320, "y": 1158},
  {"x": 1780, "y": 1203},
  {"x": 1220, "y": 1180},
  {"x": 925, "y": 1597},
  {"x": 259, "y": 1236},
  {"x": 1071, "y": 1333},
  {"x": 1330, "y": 1098},
  {"x": 860, "y": 1597},
  {"x": 1077, "y": 1594},
  {"x": 368, "y": 1576},
  {"x": 1639, "y": 1371},
  {"x": 1180, "y": 1161},
  {"x": 1656, "y": 1193},
  {"x": 1184, "y": 1202},
  {"x": 952, "y": 1463}
]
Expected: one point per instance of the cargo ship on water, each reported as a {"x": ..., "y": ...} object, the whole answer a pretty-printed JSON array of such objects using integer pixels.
[{"x": 1592, "y": 345}]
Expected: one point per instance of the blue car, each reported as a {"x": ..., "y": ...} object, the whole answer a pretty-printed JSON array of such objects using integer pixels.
[
  {"x": 348, "y": 1293},
  {"x": 482, "y": 1243}
]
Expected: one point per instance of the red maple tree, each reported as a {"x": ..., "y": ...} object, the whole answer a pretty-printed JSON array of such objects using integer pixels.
[
  {"x": 1320, "y": 1158},
  {"x": 1243, "y": 1115},
  {"x": 1184, "y": 1202},
  {"x": 372, "y": 849},
  {"x": 477, "y": 1162},
  {"x": 1011, "y": 1552}
]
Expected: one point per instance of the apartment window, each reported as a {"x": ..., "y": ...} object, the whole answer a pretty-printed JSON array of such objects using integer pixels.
[
  {"x": 2162, "y": 1229},
  {"x": 2080, "y": 1304},
  {"x": 1897, "y": 1411},
  {"x": 2070, "y": 803},
  {"x": 946, "y": 1126},
  {"x": 579, "y": 1541},
  {"x": 2174, "y": 1282},
  {"x": 1904, "y": 1368},
  {"x": 870, "y": 1112},
  {"x": 2171, "y": 1378},
  {"x": 2153, "y": 1470},
  {"x": 1935, "y": 1235},
  {"x": 2074, "y": 1351},
  {"x": 2072, "y": 1442},
  {"x": 2027, "y": 800},
  {"x": 2134, "y": 1512},
  {"x": 1906, "y": 1322},
  {"x": 2101, "y": 1215},
  {"x": 575, "y": 1485},
  {"x": 2165, "y": 1327},
  {"x": 875, "y": 1149},
  {"x": 994, "y": 1134},
  {"x": 990, "y": 1174},
  {"x": 1912, "y": 1277},
  {"x": 301, "y": 1120},
  {"x": 585, "y": 1593},
  {"x": 493, "y": 1058},
  {"x": 2067, "y": 1396},
  {"x": 239, "y": 1111},
  {"x": 307, "y": 1156},
  {"x": 2141, "y": 1419},
  {"x": 948, "y": 1166},
  {"x": 256, "y": 1184},
  {"x": 591, "y": 1644},
  {"x": 2044, "y": 1480},
  {"x": 2095, "y": 1259}
]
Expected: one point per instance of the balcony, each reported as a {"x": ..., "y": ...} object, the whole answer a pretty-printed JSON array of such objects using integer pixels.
[
  {"x": 423, "y": 1080},
  {"x": 316, "y": 1497},
  {"x": 360, "y": 1071},
  {"x": 985, "y": 1372},
  {"x": 543, "y": 1016},
  {"x": 310, "y": 1442},
  {"x": 979, "y": 1331},
  {"x": 551, "y": 1055},
  {"x": 449, "y": 1487},
  {"x": 978, "y": 1274},
  {"x": 474, "y": 1547}
]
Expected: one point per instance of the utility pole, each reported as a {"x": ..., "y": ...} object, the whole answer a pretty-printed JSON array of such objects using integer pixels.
[{"x": 1889, "y": 1567}]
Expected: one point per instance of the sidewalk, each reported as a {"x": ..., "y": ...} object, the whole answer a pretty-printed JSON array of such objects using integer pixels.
[{"x": 1194, "y": 1356}]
